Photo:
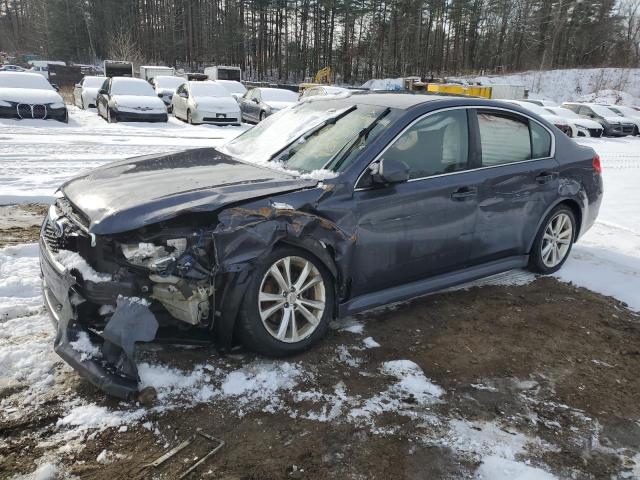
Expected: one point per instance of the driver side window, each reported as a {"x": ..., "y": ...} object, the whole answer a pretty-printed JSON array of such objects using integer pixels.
[{"x": 436, "y": 144}]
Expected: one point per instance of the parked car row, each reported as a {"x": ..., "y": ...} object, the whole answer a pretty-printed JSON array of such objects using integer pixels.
[{"x": 590, "y": 119}]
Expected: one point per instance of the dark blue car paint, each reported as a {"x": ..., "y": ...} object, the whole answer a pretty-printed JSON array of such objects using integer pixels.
[{"x": 382, "y": 244}]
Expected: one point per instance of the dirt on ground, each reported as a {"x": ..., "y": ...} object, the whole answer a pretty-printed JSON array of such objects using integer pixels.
[
  {"x": 546, "y": 360},
  {"x": 21, "y": 223}
]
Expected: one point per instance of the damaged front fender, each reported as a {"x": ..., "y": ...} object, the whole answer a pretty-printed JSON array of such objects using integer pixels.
[{"x": 246, "y": 233}]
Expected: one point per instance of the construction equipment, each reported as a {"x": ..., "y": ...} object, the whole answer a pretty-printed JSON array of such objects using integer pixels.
[{"x": 323, "y": 76}]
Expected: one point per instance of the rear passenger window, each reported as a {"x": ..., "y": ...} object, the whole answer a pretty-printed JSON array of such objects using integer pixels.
[
  {"x": 437, "y": 144},
  {"x": 540, "y": 141},
  {"x": 504, "y": 139}
]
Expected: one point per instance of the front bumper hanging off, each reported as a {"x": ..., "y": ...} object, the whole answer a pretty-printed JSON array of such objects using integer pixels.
[{"x": 114, "y": 371}]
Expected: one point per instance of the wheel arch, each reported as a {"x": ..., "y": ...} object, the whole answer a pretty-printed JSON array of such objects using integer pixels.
[{"x": 569, "y": 202}]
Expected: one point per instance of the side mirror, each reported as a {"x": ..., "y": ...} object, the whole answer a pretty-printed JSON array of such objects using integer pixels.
[
  {"x": 55, "y": 87},
  {"x": 255, "y": 100},
  {"x": 102, "y": 91},
  {"x": 391, "y": 171},
  {"x": 77, "y": 85},
  {"x": 184, "y": 95}
]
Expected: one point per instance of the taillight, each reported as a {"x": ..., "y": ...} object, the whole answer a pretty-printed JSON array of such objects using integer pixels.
[{"x": 596, "y": 164}]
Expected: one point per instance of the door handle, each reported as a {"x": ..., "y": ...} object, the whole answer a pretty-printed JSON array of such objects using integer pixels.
[
  {"x": 545, "y": 177},
  {"x": 463, "y": 193}
]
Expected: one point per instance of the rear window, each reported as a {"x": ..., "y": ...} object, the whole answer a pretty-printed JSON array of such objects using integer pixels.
[
  {"x": 540, "y": 141},
  {"x": 508, "y": 139},
  {"x": 504, "y": 139}
]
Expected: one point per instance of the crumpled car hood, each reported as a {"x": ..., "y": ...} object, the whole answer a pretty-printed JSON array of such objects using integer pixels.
[{"x": 129, "y": 194}]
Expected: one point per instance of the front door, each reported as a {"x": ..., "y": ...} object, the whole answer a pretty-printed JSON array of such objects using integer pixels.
[{"x": 423, "y": 227}]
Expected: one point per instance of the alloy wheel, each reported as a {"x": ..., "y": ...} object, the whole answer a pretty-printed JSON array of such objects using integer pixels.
[
  {"x": 292, "y": 299},
  {"x": 556, "y": 240}
]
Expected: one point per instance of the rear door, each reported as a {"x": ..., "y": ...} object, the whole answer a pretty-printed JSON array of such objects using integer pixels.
[
  {"x": 179, "y": 102},
  {"x": 77, "y": 94},
  {"x": 519, "y": 183},
  {"x": 102, "y": 100},
  {"x": 422, "y": 227}
]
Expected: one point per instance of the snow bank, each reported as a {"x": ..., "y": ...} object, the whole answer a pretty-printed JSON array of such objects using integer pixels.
[{"x": 571, "y": 84}]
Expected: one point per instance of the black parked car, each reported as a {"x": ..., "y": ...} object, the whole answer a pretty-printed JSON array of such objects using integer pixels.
[{"x": 425, "y": 192}]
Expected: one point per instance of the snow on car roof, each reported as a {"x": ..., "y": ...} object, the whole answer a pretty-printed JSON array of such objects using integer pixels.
[
  {"x": 278, "y": 95},
  {"x": 233, "y": 86},
  {"x": 131, "y": 86},
  {"x": 208, "y": 89},
  {"x": 24, "y": 80}
]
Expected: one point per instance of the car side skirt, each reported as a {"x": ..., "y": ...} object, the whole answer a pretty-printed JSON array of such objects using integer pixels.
[{"x": 429, "y": 285}]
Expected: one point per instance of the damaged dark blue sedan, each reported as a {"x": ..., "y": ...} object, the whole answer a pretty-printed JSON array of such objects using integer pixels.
[{"x": 326, "y": 209}]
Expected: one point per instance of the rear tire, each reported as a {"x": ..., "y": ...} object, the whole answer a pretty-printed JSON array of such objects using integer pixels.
[
  {"x": 284, "y": 314},
  {"x": 189, "y": 118},
  {"x": 554, "y": 240}
]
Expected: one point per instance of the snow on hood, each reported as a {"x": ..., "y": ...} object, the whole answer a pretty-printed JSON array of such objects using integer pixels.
[
  {"x": 29, "y": 95},
  {"x": 556, "y": 119},
  {"x": 218, "y": 104},
  {"x": 278, "y": 105},
  {"x": 133, "y": 101},
  {"x": 617, "y": 119},
  {"x": 585, "y": 122}
]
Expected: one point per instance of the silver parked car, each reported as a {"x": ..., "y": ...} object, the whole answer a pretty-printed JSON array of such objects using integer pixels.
[
  {"x": 205, "y": 102},
  {"x": 86, "y": 92},
  {"x": 165, "y": 87},
  {"x": 258, "y": 103},
  {"x": 235, "y": 88}
]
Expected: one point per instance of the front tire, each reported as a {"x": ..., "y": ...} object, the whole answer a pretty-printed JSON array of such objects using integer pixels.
[
  {"x": 288, "y": 304},
  {"x": 189, "y": 118},
  {"x": 553, "y": 242}
]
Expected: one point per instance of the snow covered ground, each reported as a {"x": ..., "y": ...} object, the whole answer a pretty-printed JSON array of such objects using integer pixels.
[
  {"x": 35, "y": 160},
  {"x": 591, "y": 84}
]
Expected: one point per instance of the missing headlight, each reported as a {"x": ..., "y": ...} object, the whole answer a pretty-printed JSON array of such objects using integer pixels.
[{"x": 152, "y": 256}]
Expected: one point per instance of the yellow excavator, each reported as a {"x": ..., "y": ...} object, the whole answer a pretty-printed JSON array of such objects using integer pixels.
[{"x": 322, "y": 77}]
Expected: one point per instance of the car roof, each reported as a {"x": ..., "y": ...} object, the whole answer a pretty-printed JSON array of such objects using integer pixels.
[{"x": 23, "y": 74}]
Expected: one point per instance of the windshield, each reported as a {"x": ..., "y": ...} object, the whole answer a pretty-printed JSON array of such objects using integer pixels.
[
  {"x": 233, "y": 87},
  {"x": 93, "y": 82},
  {"x": 33, "y": 81},
  {"x": 603, "y": 111},
  {"x": 207, "y": 89},
  {"x": 278, "y": 95},
  {"x": 312, "y": 136},
  {"x": 131, "y": 86},
  {"x": 168, "y": 82}
]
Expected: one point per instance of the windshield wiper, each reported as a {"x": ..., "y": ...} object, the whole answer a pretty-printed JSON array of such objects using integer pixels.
[
  {"x": 315, "y": 130},
  {"x": 364, "y": 133}
]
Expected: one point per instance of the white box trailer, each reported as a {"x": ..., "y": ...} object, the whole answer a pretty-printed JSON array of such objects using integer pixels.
[
  {"x": 223, "y": 72},
  {"x": 117, "y": 68},
  {"x": 148, "y": 72},
  {"x": 507, "y": 92}
]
